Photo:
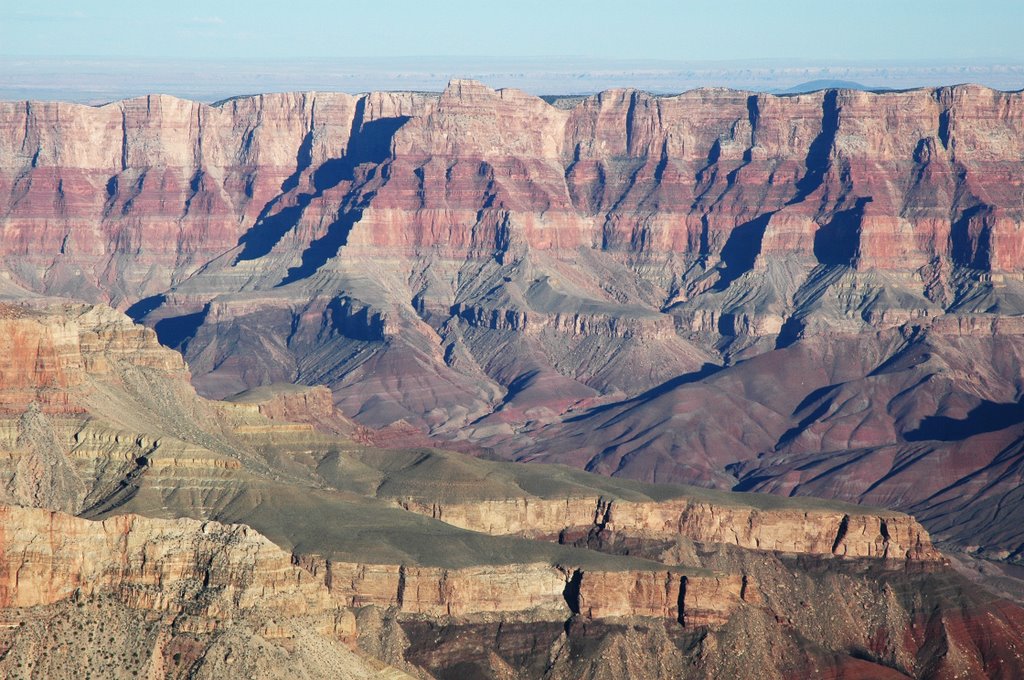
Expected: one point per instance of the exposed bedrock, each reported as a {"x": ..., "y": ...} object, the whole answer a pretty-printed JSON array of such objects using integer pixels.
[{"x": 811, "y": 532}]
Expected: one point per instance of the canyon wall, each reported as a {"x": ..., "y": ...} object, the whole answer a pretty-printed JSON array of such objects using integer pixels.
[
  {"x": 42, "y": 353},
  {"x": 810, "y": 532},
  {"x": 541, "y": 591},
  {"x": 890, "y": 181},
  {"x": 203, "y": 570},
  {"x": 229, "y": 541}
]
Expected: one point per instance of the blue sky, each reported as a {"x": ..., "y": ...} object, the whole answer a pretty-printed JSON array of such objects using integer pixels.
[{"x": 937, "y": 30}]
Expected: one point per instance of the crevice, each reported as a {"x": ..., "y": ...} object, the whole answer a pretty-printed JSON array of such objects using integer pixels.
[
  {"x": 195, "y": 186},
  {"x": 124, "y": 139},
  {"x": 630, "y": 115},
  {"x": 111, "y": 188},
  {"x": 844, "y": 526},
  {"x": 603, "y": 514},
  {"x": 400, "y": 594},
  {"x": 571, "y": 592},
  {"x": 714, "y": 154},
  {"x": 753, "y": 115},
  {"x": 944, "y": 129},
  {"x": 818, "y": 153},
  {"x": 837, "y": 242},
  {"x": 705, "y": 237},
  {"x": 970, "y": 238},
  {"x": 741, "y": 249},
  {"x": 681, "y": 602},
  {"x": 659, "y": 170}
]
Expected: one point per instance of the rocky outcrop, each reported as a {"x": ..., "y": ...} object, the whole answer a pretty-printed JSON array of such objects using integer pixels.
[
  {"x": 286, "y": 403},
  {"x": 200, "y": 569},
  {"x": 810, "y": 532},
  {"x": 45, "y": 351},
  {"x": 689, "y": 600},
  {"x": 611, "y": 325},
  {"x": 541, "y": 591},
  {"x": 208, "y": 572},
  {"x": 133, "y": 596}
]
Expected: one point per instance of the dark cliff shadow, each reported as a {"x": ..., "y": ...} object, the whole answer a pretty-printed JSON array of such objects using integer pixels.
[
  {"x": 369, "y": 142},
  {"x": 967, "y": 249},
  {"x": 271, "y": 226},
  {"x": 988, "y": 416},
  {"x": 741, "y": 249},
  {"x": 176, "y": 332},
  {"x": 818, "y": 152},
  {"x": 714, "y": 154},
  {"x": 324, "y": 248},
  {"x": 358, "y": 324},
  {"x": 837, "y": 241},
  {"x": 705, "y": 371},
  {"x": 820, "y": 410},
  {"x": 143, "y": 307},
  {"x": 792, "y": 330}
]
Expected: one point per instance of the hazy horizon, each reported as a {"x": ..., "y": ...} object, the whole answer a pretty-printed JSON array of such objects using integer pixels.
[
  {"x": 212, "y": 49},
  {"x": 95, "y": 80}
]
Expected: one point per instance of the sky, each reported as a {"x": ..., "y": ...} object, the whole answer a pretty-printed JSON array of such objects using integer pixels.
[
  {"x": 694, "y": 30},
  {"x": 100, "y": 50}
]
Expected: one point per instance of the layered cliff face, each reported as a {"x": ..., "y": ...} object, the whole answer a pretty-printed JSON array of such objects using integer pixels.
[
  {"x": 124, "y": 199},
  {"x": 788, "y": 530},
  {"x": 46, "y": 355}
]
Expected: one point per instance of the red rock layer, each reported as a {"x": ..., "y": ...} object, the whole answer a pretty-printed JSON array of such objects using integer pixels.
[
  {"x": 128, "y": 197},
  {"x": 887, "y": 181},
  {"x": 44, "y": 351}
]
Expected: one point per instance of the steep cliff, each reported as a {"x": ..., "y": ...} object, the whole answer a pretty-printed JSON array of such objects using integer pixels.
[{"x": 780, "y": 529}]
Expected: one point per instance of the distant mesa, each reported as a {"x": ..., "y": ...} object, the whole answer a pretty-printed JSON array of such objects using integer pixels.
[{"x": 828, "y": 84}]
